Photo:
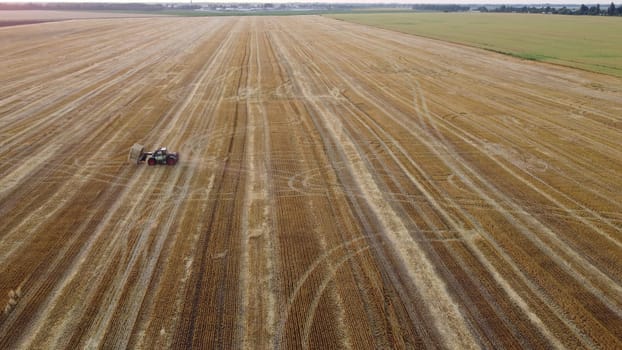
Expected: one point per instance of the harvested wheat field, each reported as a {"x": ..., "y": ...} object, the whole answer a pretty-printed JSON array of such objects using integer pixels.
[
  {"x": 21, "y": 17},
  {"x": 340, "y": 186}
]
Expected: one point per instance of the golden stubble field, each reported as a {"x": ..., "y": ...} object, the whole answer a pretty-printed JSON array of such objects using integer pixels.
[
  {"x": 340, "y": 187},
  {"x": 21, "y": 17}
]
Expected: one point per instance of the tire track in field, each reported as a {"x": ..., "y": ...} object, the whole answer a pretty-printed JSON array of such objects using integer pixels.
[
  {"x": 183, "y": 114},
  {"x": 408, "y": 71},
  {"x": 310, "y": 318},
  {"x": 544, "y": 298},
  {"x": 340, "y": 186},
  {"x": 593, "y": 215},
  {"x": 358, "y": 268},
  {"x": 256, "y": 312},
  {"x": 103, "y": 84},
  {"x": 584, "y": 165},
  {"x": 519, "y": 112},
  {"x": 306, "y": 184},
  {"x": 18, "y": 175},
  {"x": 96, "y": 76},
  {"x": 596, "y": 216},
  {"x": 322, "y": 235},
  {"x": 95, "y": 70},
  {"x": 84, "y": 59},
  {"x": 327, "y": 51},
  {"x": 431, "y": 224},
  {"x": 363, "y": 218},
  {"x": 570, "y": 211},
  {"x": 192, "y": 330},
  {"x": 392, "y": 224},
  {"x": 68, "y": 188},
  {"x": 466, "y": 300},
  {"x": 448, "y": 86},
  {"x": 463, "y": 291},
  {"x": 163, "y": 123},
  {"x": 555, "y": 202},
  {"x": 191, "y": 223}
]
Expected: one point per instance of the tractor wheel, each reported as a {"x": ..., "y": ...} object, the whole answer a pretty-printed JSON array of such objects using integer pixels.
[
  {"x": 151, "y": 161},
  {"x": 171, "y": 161}
]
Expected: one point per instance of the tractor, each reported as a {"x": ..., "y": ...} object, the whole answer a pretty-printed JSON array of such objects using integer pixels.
[{"x": 159, "y": 156}]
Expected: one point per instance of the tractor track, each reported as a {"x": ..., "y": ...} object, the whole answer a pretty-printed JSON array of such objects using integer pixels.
[{"x": 340, "y": 186}]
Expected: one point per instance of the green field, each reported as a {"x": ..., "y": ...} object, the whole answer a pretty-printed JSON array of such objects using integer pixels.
[{"x": 585, "y": 42}]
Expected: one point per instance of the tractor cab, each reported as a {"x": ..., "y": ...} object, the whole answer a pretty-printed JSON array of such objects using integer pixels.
[{"x": 160, "y": 155}]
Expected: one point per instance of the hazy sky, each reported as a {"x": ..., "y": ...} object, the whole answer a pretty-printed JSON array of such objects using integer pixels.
[{"x": 543, "y": 2}]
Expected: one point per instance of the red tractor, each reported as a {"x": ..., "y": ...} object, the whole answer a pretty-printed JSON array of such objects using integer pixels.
[{"x": 159, "y": 156}]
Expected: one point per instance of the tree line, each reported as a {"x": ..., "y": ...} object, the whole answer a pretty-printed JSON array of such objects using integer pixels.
[
  {"x": 583, "y": 10},
  {"x": 82, "y": 6},
  {"x": 440, "y": 7}
]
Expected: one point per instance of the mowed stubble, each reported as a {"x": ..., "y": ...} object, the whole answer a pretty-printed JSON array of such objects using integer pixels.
[{"x": 339, "y": 186}]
